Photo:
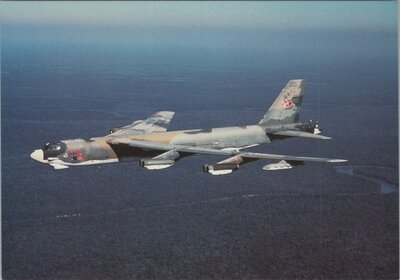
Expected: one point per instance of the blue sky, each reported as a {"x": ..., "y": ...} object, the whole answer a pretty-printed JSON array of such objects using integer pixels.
[{"x": 370, "y": 15}]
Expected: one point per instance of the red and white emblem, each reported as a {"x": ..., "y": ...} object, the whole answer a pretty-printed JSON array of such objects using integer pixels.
[{"x": 287, "y": 103}]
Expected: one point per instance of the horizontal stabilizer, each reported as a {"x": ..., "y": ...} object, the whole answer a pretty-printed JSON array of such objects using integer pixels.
[{"x": 296, "y": 133}]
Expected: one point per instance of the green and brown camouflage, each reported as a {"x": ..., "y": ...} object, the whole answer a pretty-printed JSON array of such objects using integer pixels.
[
  {"x": 158, "y": 148},
  {"x": 286, "y": 107}
]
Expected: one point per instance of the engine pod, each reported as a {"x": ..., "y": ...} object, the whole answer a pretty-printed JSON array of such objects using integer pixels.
[
  {"x": 277, "y": 166},
  {"x": 220, "y": 169},
  {"x": 156, "y": 163}
]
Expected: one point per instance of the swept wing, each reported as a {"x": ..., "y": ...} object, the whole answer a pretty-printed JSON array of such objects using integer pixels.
[
  {"x": 156, "y": 123},
  {"x": 148, "y": 145}
]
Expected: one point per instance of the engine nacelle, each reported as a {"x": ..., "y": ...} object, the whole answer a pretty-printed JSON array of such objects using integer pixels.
[
  {"x": 277, "y": 166},
  {"x": 220, "y": 169},
  {"x": 156, "y": 163}
]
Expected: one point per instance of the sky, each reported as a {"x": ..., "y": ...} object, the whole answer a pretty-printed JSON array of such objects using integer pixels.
[{"x": 371, "y": 15}]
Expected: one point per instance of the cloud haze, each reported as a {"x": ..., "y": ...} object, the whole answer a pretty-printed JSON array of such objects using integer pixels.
[{"x": 259, "y": 14}]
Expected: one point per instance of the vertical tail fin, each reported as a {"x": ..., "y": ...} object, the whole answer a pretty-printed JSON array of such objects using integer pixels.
[{"x": 286, "y": 107}]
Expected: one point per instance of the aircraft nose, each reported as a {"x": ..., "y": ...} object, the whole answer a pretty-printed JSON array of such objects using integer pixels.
[{"x": 38, "y": 155}]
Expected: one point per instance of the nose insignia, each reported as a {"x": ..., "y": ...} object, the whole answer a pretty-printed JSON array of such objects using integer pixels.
[{"x": 38, "y": 156}]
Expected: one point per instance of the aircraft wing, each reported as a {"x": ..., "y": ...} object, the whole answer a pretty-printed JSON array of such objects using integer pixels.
[
  {"x": 148, "y": 145},
  {"x": 299, "y": 133},
  {"x": 158, "y": 122}
]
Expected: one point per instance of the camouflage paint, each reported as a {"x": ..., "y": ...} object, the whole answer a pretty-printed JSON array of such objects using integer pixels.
[
  {"x": 286, "y": 107},
  {"x": 279, "y": 122}
]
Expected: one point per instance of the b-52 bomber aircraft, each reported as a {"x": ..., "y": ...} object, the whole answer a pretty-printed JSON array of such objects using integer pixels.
[{"x": 158, "y": 148}]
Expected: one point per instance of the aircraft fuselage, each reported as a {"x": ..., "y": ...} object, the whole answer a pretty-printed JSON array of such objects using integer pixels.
[{"x": 97, "y": 150}]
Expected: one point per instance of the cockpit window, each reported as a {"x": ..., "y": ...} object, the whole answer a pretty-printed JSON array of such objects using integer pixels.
[
  {"x": 45, "y": 147},
  {"x": 52, "y": 147}
]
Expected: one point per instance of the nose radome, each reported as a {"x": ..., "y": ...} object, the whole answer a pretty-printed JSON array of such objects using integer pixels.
[{"x": 38, "y": 155}]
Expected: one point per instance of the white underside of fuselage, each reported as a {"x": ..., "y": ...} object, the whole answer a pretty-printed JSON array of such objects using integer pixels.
[{"x": 59, "y": 164}]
